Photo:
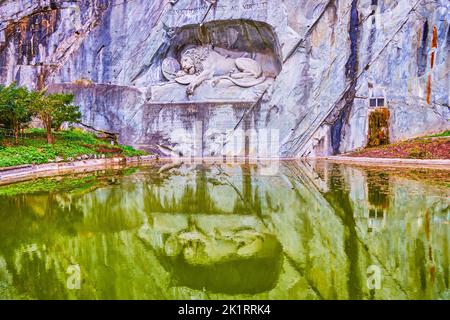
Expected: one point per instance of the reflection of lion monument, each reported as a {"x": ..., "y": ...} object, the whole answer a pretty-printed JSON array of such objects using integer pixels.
[
  {"x": 204, "y": 63},
  {"x": 208, "y": 252}
]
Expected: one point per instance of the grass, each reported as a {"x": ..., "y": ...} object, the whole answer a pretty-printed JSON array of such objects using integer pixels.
[
  {"x": 428, "y": 147},
  {"x": 68, "y": 146},
  {"x": 443, "y": 134}
]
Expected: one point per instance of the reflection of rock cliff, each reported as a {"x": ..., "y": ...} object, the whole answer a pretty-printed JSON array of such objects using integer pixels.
[{"x": 334, "y": 63}]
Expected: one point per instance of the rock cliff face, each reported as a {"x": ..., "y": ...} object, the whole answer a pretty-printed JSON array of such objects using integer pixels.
[{"x": 326, "y": 67}]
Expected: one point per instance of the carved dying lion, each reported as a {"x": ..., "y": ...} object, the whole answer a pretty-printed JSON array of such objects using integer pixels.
[{"x": 203, "y": 63}]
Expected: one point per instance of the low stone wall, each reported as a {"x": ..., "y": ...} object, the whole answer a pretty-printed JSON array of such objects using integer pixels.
[{"x": 52, "y": 169}]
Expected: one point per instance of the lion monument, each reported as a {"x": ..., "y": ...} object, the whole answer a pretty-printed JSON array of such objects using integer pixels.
[{"x": 203, "y": 63}]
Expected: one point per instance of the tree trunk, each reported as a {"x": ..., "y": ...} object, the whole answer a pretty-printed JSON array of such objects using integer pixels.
[
  {"x": 48, "y": 129},
  {"x": 16, "y": 135},
  {"x": 16, "y": 131}
]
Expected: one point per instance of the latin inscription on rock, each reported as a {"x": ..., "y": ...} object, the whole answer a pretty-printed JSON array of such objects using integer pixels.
[{"x": 219, "y": 9}]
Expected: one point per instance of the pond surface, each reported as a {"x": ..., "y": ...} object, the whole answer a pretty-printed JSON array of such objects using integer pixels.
[{"x": 228, "y": 231}]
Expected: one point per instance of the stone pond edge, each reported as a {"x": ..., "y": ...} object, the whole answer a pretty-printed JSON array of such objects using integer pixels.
[
  {"x": 26, "y": 172},
  {"x": 387, "y": 162}
]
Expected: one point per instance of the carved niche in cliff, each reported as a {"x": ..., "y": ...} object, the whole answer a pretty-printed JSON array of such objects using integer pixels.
[{"x": 235, "y": 59}]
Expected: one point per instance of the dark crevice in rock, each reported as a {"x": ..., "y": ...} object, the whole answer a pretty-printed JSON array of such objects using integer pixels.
[
  {"x": 351, "y": 67},
  {"x": 338, "y": 128},
  {"x": 422, "y": 54},
  {"x": 351, "y": 73},
  {"x": 448, "y": 39}
]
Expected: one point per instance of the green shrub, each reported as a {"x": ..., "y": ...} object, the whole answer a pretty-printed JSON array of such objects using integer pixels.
[{"x": 68, "y": 144}]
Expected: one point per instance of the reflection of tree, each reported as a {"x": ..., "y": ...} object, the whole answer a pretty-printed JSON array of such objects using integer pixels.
[
  {"x": 33, "y": 223},
  {"x": 378, "y": 199},
  {"x": 61, "y": 210},
  {"x": 378, "y": 190},
  {"x": 34, "y": 218}
]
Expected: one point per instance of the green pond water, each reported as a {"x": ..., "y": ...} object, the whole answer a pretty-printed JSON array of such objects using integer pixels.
[{"x": 228, "y": 231}]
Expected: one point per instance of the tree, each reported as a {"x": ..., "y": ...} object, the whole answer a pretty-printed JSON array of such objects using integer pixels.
[
  {"x": 53, "y": 110},
  {"x": 2, "y": 103},
  {"x": 15, "y": 107}
]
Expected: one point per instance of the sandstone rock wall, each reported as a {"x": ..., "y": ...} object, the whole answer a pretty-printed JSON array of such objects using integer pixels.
[{"x": 335, "y": 57}]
